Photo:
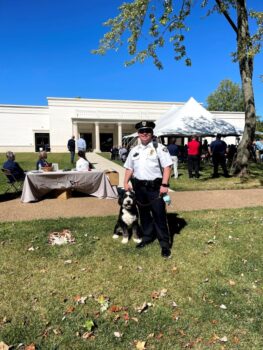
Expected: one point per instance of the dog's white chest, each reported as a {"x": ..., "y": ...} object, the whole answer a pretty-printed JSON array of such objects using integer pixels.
[{"x": 127, "y": 217}]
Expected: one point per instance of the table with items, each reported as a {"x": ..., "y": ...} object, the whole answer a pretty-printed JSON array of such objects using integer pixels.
[{"x": 94, "y": 183}]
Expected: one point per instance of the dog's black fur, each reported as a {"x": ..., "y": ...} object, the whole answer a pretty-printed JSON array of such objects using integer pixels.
[{"x": 128, "y": 218}]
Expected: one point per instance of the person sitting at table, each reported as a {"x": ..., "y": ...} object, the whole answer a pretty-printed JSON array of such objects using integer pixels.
[
  {"x": 82, "y": 162},
  {"x": 13, "y": 167},
  {"x": 42, "y": 160}
]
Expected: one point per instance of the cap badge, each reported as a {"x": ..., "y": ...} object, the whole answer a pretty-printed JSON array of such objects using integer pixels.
[{"x": 143, "y": 123}]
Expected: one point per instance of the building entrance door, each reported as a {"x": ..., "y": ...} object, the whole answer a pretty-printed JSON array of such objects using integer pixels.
[
  {"x": 88, "y": 138},
  {"x": 42, "y": 142},
  {"x": 106, "y": 142}
]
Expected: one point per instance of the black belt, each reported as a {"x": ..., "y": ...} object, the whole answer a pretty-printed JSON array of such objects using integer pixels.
[{"x": 148, "y": 183}]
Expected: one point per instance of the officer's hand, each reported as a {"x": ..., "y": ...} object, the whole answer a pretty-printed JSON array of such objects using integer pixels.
[
  {"x": 163, "y": 190},
  {"x": 127, "y": 187}
]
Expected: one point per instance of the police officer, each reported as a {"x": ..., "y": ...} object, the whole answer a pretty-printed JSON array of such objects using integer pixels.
[{"x": 143, "y": 168}]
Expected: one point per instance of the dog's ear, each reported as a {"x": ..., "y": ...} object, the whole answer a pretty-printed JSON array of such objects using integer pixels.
[{"x": 120, "y": 200}]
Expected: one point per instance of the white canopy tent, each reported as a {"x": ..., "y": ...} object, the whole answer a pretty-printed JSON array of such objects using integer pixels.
[{"x": 192, "y": 119}]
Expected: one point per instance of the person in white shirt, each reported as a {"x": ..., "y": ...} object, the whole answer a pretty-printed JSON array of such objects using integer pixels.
[
  {"x": 82, "y": 163},
  {"x": 148, "y": 166},
  {"x": 81, "y": 144}
]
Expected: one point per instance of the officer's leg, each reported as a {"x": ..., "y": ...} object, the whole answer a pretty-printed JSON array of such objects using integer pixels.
[
  {"x": 146, "y": 219},
  {"x": 160, "y": 222}
]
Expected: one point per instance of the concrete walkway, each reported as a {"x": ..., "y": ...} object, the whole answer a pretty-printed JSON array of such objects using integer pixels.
[{"x": 102, "y": 163}]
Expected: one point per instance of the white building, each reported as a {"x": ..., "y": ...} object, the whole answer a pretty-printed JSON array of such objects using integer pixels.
[{"x": 102, "y": 122}]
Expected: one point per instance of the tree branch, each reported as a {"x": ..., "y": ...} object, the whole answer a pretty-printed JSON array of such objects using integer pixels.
[{"x": 225, "y": 13}]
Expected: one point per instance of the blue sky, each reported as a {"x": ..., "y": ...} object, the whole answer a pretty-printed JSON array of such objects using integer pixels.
[{"x": 45, "y": 52}]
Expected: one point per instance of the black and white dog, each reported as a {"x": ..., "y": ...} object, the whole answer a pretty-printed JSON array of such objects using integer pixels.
[{"x": 128, "y": 219}]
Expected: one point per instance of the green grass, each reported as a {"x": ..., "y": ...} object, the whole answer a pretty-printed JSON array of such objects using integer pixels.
[
  {"x": 205, "y": 182},
  {"x": 215, "y": 247},
  {"x": 183, "y": 183}
]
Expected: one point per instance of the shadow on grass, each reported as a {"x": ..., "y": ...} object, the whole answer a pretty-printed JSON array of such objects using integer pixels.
[{"x": 175, "y": 225}]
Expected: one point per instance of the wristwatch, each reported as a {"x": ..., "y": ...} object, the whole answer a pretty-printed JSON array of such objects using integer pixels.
[{"x": 165, "y": 185}]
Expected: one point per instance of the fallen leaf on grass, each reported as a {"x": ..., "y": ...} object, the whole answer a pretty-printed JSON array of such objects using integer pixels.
[
  {"x": 156, "y": 295},
  {"x": 89, "y": 325},
  {"x": 69, "y": 310},
  {"x": 3, "y": 346},
  {"x": 223, "y": 307},
  {"x": 213, "y": 339},
  {"x": 211, "y": 241},
  {"x": 223, "y": 339},
  {"x": 232, "y": 283},
  {"x": 135, "y": 319},
  {"x": 140, "y": 345},
  {"x": 143, "y": 308},
  {"x": 116, "y": 318},
  {"x": 126, "y": 316},
  {"x": 88, "y": 335},
  {"x": 181, "y": 332},
  {"x": 159, "y": 336},
  {"x": 151, "y": 335},
  {"x": 79, "y": 299},
  {"x": 115, "y": 308},
  {"x": 68, "y": 262},
  {"x": 214, "y": 322},
  {"x": 5, "y": 320},
  {"x": 118, "y": 334},
  {"x": 31, "y": 249},
  {"x": 57, "y": 331},
  {"x": 236, "y": 340}
]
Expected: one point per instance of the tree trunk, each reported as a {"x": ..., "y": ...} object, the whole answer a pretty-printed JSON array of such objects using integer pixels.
[{"x": 246, "y": 73}]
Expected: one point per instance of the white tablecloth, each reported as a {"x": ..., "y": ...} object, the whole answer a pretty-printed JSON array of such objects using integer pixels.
[{"x": 94, "y": 183}]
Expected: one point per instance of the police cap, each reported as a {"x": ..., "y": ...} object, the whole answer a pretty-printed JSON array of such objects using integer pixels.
[{"x": 145, "y": 124}]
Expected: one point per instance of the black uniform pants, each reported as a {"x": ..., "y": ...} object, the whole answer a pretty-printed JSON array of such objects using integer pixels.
[{"x": 152, "y": 213}]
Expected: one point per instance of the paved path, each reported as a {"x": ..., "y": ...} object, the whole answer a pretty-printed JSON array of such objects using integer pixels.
[{"x": 14, "y": 210}]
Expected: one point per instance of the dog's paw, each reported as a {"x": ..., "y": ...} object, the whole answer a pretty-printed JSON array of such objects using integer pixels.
[
  {"x": 125, "y": 240},
  {"x": 137, "y": 240},
  {"x": 115, "y": 236}
]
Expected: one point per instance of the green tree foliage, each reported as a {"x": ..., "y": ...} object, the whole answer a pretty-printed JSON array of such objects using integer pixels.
[
  {"x": 227, "y": 97},
  {"x": 148, "y": 25}
]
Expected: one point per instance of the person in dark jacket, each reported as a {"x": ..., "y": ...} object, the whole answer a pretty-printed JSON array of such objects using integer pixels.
[
  {"x": 13, "y": 167},
  {"x": 72, "y": 148},
  {"x": 218, "y": 150}
]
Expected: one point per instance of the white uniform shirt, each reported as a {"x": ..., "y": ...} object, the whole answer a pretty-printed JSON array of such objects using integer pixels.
[
  {"x": 82, "y": 164},
  {"x": 143, "y": 160}
]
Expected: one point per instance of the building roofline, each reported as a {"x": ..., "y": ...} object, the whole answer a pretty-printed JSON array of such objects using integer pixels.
[
  {"x": 22, "y": 106},
  {"x": 111, "y": 100}
]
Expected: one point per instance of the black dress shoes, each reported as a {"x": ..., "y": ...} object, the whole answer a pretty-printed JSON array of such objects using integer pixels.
[{"x": 166, "y": 253}]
